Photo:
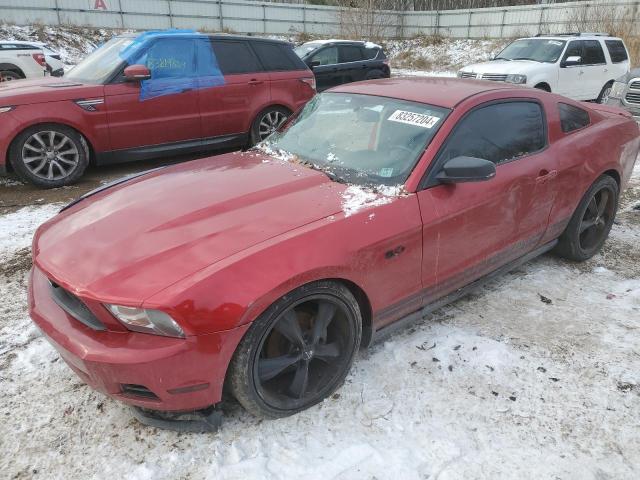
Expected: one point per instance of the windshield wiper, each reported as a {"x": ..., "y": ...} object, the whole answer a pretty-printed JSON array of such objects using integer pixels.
[
  {"x": 527, "y": 58},
  {"x": 501, "y": 58}
]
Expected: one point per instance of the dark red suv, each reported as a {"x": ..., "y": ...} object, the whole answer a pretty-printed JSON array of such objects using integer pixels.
[{"x": 147, "y": 95}]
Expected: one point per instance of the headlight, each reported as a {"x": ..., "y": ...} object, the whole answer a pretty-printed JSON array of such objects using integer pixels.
[
  {"x": 146, "y": 321},
  {"x": 459, "y": 74},
  {"x": 617, "y": 90},
  {"x": 516, "y": 78}
]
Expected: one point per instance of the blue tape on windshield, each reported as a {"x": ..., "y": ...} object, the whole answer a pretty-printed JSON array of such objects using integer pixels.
[{"x": 177, "y": 63}]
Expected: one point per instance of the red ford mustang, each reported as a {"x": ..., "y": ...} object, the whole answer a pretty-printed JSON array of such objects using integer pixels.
[{"x": 265, "y": 271}]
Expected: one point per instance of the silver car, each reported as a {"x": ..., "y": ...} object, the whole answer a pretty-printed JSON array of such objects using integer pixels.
[{"x": 625, "y": 93}]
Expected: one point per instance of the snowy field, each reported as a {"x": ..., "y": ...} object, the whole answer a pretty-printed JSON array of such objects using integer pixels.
[{"x": 536, "y": 376}]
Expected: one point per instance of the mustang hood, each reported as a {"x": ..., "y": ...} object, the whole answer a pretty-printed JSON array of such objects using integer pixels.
[
  {"x": 134, "y": 239},
  {"x": 47, "y": 89}
]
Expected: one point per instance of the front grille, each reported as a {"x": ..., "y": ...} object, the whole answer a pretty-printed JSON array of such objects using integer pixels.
[
  {"x": 494, "y": 77},
  {"x": 74, "y": 307},
  {"x": 635, "y": 85},
  {"x": 467, "y": 75},
  {"x": 633, "y": 97},
  {"x": 138, "y": 391}
]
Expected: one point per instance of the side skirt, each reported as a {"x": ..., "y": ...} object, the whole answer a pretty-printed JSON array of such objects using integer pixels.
[{"x": 392, "y": 328}]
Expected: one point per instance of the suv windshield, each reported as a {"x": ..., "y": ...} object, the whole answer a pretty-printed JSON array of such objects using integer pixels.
[
  {"x": 100, "y": 64},
  {"x": 306, "y": 48},
  {"x": 356, "y": 138},
  {"x": 535, "y": 49}
]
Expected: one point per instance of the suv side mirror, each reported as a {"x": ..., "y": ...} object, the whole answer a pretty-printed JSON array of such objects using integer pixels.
[
  {"x": 314, "y": 63},
  {"x": 466, "y": 169},
  {"x": 573, "y": 60},
  {"x": 135, "y": 73}
]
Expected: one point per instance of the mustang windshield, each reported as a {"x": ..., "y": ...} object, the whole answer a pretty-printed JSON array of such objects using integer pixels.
[
  {"x": 535, "y": 49},
  {"x": 100, "y": 64},
  {"x": 357, "y": 138}
]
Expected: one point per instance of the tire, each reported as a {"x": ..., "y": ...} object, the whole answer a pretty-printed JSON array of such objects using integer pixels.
[
  {"x": 591, "y": 222},
  {"x": 543, "y": 86},
  {"x": 43, "y": 162},
  {"x": 272, "y": 376},
  {"x": 9, "y": 75},
  {"x": 267, "y": 121},
  {"x": 604, "y": 93},
  {"x": 374, "y": 74}
]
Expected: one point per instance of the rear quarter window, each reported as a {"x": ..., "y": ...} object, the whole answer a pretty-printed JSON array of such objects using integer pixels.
[
  {"x": 572, "y": 118},
  {"x": 616, "y": 50},
  {"x": 369, "y": 53},
  {"x": 276, "y": 57}
]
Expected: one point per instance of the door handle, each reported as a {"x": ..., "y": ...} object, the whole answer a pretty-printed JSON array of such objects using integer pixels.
[
  {"x": 581, "y": 72},
  {"x": 394, "y": 253},
  {"x": 546, "y": 175},
  {"x": 253, "y": 81}
]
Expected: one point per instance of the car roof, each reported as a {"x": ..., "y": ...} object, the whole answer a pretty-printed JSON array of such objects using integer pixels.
[
  {"x": 220, "y": 36},
  {"x": 344, "y": 42},
  {"x": 581, "y": 36},
  {"x": 444, "y": 92}
]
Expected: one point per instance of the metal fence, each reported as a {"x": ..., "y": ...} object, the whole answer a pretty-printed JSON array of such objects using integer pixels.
[{"x": 285, "y": 18}]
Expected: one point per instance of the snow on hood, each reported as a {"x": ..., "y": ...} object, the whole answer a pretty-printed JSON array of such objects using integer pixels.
[{"x": 504, "y": 66}]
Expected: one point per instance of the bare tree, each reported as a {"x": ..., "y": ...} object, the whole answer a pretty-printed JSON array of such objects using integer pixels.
[{"x": 364, "y": 19}]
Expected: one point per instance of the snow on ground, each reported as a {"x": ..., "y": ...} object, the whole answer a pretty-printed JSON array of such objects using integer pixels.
[{"x": 535, "y": 376}]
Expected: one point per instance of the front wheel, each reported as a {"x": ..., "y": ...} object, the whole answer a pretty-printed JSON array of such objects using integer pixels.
[
  {"x": 298, "y": 352},
  {"x": 591, "y": 222},
  {"x": 49, "y": 155},
  {"x": 604, "y": 93}
]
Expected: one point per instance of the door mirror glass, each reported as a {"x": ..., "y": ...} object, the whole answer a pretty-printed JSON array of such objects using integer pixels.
[
  {"x": 573, "y": 60},
  {"x": 136, "y": 73},
  {"x": 467, "y": 169},
  {"x": 314, "y": 63}
]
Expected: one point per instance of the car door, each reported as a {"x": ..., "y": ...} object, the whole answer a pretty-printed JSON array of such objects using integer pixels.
[
  {"x": 161, "y": 110},
  {"x": 352, "y": 66},
  {"x": 324, "y": 64},
  {"x": 596, "y": 70},
  {"x": 230, "y": 108},
  {"x": 570, "y": 74},
  {"x": 471, "y": 229}
]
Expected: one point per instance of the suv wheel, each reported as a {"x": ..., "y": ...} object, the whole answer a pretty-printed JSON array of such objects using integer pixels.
[
  {"x": 591, "y": 222},
  {"x": 604, "y": 93},
  {"x": 298, "y": 352},
  {"x": 8, "y": 75},
  {"x": 267, "y": 122},
  {"x": 373, "y": 74},
  {"x": 49, "y": 155}
]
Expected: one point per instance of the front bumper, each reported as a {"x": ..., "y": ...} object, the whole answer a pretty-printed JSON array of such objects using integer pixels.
[
  {"x": 633, "y": 109},
  {"x": 179, "y": 374}
]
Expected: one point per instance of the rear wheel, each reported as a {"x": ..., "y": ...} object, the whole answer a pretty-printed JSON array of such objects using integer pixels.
[
  {"x": 49, "y": 155},
  {"x": 9, "y": 75},
  {"x": 267, "y": 122},
  {"x": 298, "y": 352},
  {"x": 591, "y": 223},
  {"x": 374, "y": 74}
]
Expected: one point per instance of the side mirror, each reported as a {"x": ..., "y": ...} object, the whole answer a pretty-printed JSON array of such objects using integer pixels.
[
  {"x": 573, "y": 60},
  {"x": 314, "y": 63},
  {"x": 135, "y": 73},
  {"x": 467, "y": 169}
]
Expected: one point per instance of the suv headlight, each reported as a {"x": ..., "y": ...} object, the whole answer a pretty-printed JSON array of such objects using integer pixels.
[
  {"x": 146, "y": 321},
  {"x": 459, "y": 74},
  {"x": 516, "y": 78},
  {"x": 617, "y": 90}
]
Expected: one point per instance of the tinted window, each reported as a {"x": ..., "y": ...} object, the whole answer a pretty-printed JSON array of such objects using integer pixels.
[
  {"x": 572, "y": 118},
  {"x": 574, "y": 50},
  {"x": 498, "y": 132},
  {"x": 17, "y": 46},
  {"x": 350, "y": 53},
  {"x": 274, "y": 56},
  {"x": 326, "y": 56},
  {"x": 593, "y": 53},
  {"x": 369, "y": 53},
  {"x": 616, "y": 50},
  {"x": 235, "y": 57}
]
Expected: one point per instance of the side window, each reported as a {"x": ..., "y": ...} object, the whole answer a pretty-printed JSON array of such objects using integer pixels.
[
  {"x": 273, "y": 56},
  {"x": 350, "y": 53},
  {"x": 326, "y": 56},
  {"x": 616, "y": 50},
  {"x": 498, "y": 132},
  {"x": 171, "y": 58},
  {"x": 235, "y": 57},
  {"x": 575, "y": 50},
  {"x": 572, "y": 118},
  {"x": 369, "y": 53},
  {"x": 593, "y": 53}
]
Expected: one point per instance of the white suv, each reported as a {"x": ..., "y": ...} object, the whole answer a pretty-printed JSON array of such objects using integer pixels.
[
  {"x": 19, "y": 60},
  {"x": 581, "y": 66}
]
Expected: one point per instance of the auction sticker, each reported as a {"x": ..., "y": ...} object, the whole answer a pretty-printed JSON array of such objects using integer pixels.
[{"x": 411, "y": 118}]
